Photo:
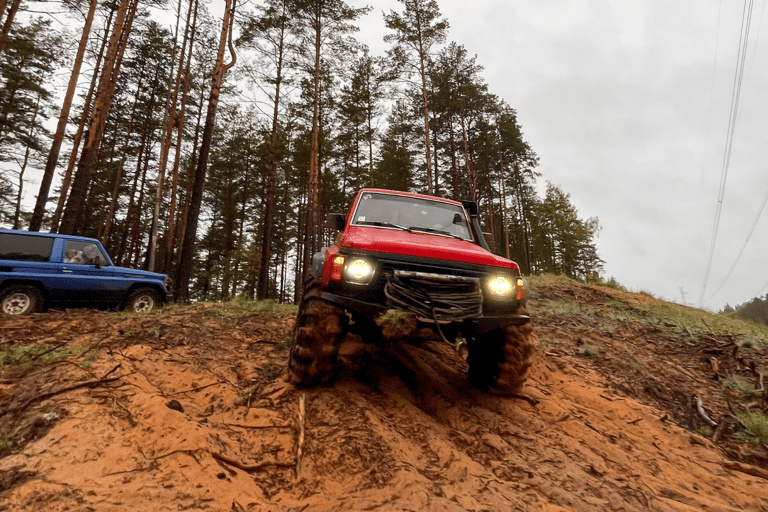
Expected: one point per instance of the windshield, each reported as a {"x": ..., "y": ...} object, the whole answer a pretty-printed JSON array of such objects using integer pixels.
[{"x": 412, "y": 214}]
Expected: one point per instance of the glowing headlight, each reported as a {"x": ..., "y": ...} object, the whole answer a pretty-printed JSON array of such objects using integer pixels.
[
  {"x": 500, "y": 287},
  {"x": 358, "y": 271}
]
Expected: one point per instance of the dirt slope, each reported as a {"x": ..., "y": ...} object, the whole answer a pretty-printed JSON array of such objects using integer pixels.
[{"x": 188, "y": 409}]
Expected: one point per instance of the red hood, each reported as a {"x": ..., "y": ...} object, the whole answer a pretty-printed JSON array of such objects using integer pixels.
[{"x": 421, "y": 245}]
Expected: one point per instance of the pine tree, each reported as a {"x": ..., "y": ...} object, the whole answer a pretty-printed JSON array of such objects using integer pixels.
[
  {"x": 26, "y": 66},
  {"x": 416, "y": 31}
]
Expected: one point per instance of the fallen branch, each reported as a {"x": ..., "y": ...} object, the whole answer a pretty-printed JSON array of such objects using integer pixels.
[
  {"x": 196, "y": 388},
  {"x": 747, "y": 469},
  {"x": 300, "y": 444},
  {"x": 256, "y": 427},
  {"x": 702, "y": 413},
  {"x": 250, "y": 468},
  {"x": 43, "y": 396},
  {"x": 528, "y": 399}
]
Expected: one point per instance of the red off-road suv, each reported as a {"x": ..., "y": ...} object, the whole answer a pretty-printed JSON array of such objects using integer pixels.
[{"x": 412, "y": 266}]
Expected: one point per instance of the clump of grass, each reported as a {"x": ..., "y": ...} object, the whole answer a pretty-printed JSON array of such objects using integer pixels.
[
  {"x": 397, "y": 324},
  {"x": 270, "y": 371},
  {"x": 281, "y": 346},
  {"x": 755, "y": 426},
  {"x": 26, "y": 355},
  {"x": 746, "y": 389},
  {"x": 567, "y": 308},
  {"x": 590, "y": 350}
]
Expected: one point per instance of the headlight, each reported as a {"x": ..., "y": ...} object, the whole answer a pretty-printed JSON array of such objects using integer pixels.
[
  {"x": 500, "y": 287},
  {"x": 358, "y": 270}
]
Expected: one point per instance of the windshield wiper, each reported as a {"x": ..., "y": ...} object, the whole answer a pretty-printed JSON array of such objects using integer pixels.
[
  {"x": 433, "y": 230},
  {"x": 385, "y": 225}
]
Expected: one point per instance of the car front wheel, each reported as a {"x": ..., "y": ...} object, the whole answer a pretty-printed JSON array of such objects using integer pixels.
[
  {"x": 142, "y": 300},
  {"x": 21, "y": 300}
]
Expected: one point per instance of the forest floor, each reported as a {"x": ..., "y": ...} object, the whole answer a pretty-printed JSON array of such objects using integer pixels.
[{"x": 188, "y": 408}]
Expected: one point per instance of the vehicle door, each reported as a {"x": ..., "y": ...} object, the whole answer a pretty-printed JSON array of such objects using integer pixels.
[{"x": 87, "y": 275}]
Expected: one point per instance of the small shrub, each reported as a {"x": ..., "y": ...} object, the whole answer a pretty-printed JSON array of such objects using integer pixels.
[
  {"x": 755, "y": 426},
  {"x": 612, "y": 283},
  {"x": 741, "y": 386}
]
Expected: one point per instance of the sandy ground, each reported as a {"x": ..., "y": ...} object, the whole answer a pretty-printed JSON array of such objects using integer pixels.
[{"x": 189, "y": 409}]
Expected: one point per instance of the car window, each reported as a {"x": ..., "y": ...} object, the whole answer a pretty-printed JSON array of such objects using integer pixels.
[
  {"x": 389, "y": 210},
  {"x": 25, "y": 247},
  {"x": 85, "y": 253}
]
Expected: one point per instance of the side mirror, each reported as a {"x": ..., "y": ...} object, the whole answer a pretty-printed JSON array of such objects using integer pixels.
[
  {"x": 458, "y": 219},
  {"x": 336, "y": 221}
]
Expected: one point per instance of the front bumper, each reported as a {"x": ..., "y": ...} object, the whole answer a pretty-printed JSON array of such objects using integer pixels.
[{"x": 480, "y": 325}]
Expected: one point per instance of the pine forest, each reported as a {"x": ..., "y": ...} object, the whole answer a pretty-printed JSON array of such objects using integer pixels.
[{"x": 209, "y": 139}]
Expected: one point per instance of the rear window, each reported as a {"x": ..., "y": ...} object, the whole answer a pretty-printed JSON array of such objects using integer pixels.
[{"x": 25, "y": 247}]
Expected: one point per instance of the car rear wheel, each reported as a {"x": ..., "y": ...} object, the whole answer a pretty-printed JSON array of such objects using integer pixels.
[
  {"x": 142, "y": 300},
  {"x": 499, "y": 361},
  {"x": 21, "y": 300}
]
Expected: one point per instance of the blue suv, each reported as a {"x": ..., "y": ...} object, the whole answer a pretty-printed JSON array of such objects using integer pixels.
[{"x": 46, "y": 269}]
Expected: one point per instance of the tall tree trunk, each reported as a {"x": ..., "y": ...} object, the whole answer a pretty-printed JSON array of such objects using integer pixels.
[
  {"x": 102, "y": 105},
  {"x": 523, "y": 217},
  {"x": 132, "y": 195},
  {"x": 8, "y": 22},
  {"x": 53, "y": 155},
  {"x": 85, "y": 117},
  {"x": 269, "y": 200},
  {"x": 119, "y": 178},
  {"x": 504, "y": 217},
  {"x": 17, "y": 213},
  {"x": 188, "y": 248},
  {"x": 170, "y": 233},
  {"x": 425, "y": 111},
  {"x": 167, "y": 138},
  {"x": 313, "y": 193}
]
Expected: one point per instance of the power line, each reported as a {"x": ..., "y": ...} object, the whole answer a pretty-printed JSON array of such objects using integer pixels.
[
  {"x": 746, "y": 20},
  {"x": 741, "y": 252}
]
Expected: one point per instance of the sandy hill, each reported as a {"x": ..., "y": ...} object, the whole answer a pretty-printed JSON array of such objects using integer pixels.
[{"x": 633, "y": 404}]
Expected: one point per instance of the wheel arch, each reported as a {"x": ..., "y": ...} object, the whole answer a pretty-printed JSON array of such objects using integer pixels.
[
  {"x": 8, "y": 283},
  {"x": 138, "y": 286}
]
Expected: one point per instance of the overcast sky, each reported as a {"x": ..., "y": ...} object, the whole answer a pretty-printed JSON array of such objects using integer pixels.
[{"x": 628, "y": 107}]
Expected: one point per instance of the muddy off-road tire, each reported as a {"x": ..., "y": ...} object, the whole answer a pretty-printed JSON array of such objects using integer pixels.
[
  {"x": 319, "y": 329},
  {"x": 142, "y": 300},
  {"x": 499, "y": 361},
  {"x": 21, "y": 300}
]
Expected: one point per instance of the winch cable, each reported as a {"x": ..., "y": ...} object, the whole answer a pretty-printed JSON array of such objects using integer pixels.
[{"x": 414, "y": 296}]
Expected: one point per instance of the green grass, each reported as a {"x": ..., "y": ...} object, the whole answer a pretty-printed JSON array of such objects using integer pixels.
[
  {"x": 755, "y": 427},
  {"x": 745, "y": 389},
  {"x": 28, "y": 355},
  {"x": 689, "y": 322}
]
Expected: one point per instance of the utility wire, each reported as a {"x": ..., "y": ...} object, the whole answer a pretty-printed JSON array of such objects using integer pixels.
[
  {"x": 741, "y": 252},
  {"x": 765, "y": 197},
  {"x": 746, "y": 19},
  {"x": 711, "y": 92}
]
